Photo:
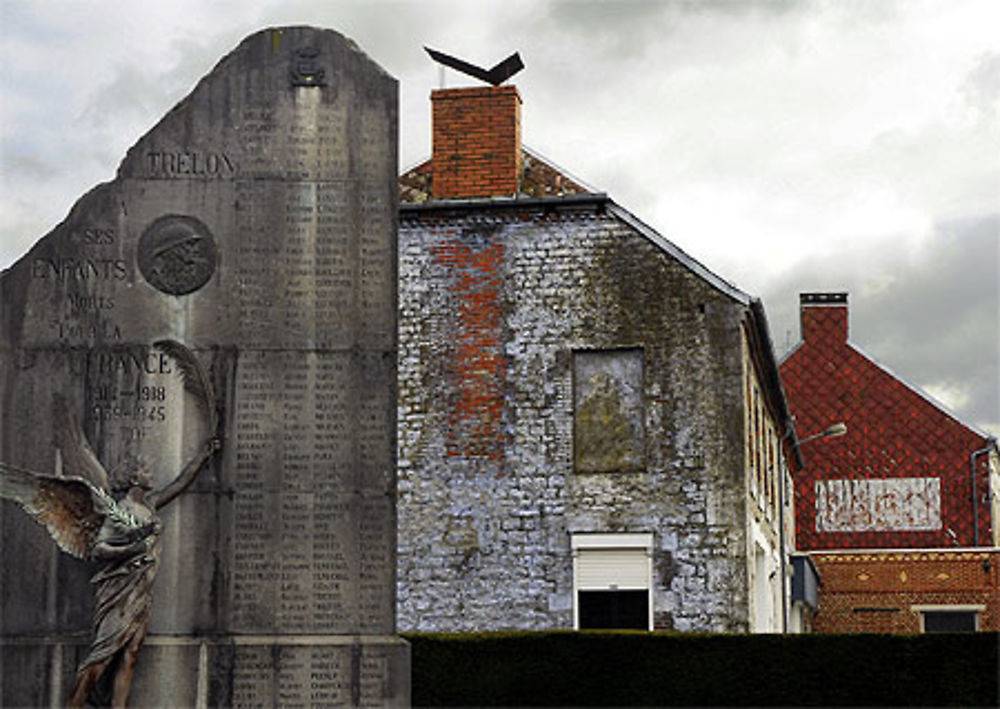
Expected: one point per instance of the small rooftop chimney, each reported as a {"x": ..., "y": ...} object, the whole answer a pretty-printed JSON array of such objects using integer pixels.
[
  {"x": 823, "y": 316},
  {"x": 476, "y": 142}
]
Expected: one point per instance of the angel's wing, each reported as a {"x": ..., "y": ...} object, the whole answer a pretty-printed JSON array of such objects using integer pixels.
[
  {"x": 70, "y": 508},
  {"x": 78, "y": 457}
]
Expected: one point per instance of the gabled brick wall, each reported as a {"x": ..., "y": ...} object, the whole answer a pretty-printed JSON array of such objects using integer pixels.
[
  {"x": 894, "y": 433},
  {"x": 497, "y": 311},
  {"x": 476, "y": 142}
]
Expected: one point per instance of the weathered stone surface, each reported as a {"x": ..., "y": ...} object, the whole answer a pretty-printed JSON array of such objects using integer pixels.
[
  {"x": 505, "y": 316},
  {"x": 256, "y": 223}
]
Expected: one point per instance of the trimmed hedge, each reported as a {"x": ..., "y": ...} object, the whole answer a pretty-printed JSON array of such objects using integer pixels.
[{"x": 566, "y": 668}]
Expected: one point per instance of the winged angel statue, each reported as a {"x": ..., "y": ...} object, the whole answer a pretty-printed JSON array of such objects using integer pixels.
[{"x": 87, "y": 521}]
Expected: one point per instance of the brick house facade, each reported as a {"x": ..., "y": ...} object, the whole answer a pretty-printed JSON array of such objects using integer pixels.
[
  {"x": 894, "y": 591},
  {"x": 589, "y": 419},
  {"x": 900, "y": 515}
]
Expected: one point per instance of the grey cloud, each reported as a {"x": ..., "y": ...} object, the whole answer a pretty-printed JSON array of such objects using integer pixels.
[
  {"x": 135, "y": 94},
  {"x": 648, "y": 17},
  {"x": 932, "y": 317},
  {"x": 129, "y": 95},
  {"x": 981, "y": 87},
  {"x": 617, "y": 29},
  {"x": 942, "y": 320},
  {"x": 29, "y": 165}
]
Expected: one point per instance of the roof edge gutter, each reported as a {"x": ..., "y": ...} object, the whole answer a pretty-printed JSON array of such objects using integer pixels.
[
  {"x": 503, "y": 203},
  {"x": 773, "y": 376}
]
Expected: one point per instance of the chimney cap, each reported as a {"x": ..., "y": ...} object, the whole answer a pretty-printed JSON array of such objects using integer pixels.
[{"x": 823, "y": 298}]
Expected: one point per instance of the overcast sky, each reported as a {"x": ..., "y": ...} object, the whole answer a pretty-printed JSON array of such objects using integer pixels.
[{"x": 789, "y": 146}]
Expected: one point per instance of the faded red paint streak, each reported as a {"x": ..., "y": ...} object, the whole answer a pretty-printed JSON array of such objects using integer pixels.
[{"x": 479, "y": 368}]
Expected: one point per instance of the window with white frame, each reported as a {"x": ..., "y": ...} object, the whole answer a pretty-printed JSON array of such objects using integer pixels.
[
  {"x": 612, "y": 581},
  {"x": 948, "y": 618}
]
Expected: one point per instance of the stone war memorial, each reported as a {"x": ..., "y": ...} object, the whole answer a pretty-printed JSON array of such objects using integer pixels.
[{"x": 198, "y": 386}]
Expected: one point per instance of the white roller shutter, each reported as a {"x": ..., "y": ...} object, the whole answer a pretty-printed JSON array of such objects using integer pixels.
[{"x": 612, "y": 569}]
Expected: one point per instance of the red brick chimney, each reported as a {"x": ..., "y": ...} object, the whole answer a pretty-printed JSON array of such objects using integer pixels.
[
  {"x": 823, "y": 316},
  {"x": 476, "y": 142}
]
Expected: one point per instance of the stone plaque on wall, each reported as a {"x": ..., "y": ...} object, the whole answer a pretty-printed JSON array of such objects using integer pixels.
[
  {"x": 255, "y": 224},
  {"x": 608, "y": 424}
]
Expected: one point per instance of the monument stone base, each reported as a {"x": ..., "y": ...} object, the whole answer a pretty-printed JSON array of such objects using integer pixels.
[{"x": 243, "y": 671}]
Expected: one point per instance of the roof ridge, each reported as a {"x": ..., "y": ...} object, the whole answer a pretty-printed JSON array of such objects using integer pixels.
[
  {"x": 930, "y": 399},
  {"x": 558, "y": 168}
]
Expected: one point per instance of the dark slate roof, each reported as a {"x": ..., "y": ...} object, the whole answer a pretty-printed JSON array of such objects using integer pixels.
[
  {"x": 540, "y": 179},
  {"x": 415, "y": 184}
]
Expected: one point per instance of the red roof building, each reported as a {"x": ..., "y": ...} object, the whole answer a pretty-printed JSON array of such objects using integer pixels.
[{"x": 907, "y": 474}]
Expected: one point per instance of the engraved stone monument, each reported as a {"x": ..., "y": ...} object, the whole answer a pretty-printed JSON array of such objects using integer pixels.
[{"x": 254, "y": 226}]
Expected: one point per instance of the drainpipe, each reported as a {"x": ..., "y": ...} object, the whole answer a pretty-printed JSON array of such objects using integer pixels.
[
  {"x": 990, "y": 443},
  {"x": 837, "y": 429},
  {"x": 782, "y": 542},
  {"x": 785, "y": 469}
]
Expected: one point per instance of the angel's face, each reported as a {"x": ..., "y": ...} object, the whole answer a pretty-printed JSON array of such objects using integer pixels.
[{"x": 141, "y": 478}]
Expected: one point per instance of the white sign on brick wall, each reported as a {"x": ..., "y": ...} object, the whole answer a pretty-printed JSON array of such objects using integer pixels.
[{"x": 894, "y": 505}]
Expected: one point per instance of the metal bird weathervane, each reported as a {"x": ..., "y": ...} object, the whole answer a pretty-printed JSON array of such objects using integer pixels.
[
  {"x": 495, "y": 76},
  {"x": 84, "y": 518}
]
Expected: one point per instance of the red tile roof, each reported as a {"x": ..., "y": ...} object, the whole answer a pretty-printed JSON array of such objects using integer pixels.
[{"x": 893, "y": 431}]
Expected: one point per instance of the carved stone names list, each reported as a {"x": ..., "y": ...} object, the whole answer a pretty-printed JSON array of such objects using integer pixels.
[
  {"x": 294, "y": 507},
  {"x": 294, "y": 268}
]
